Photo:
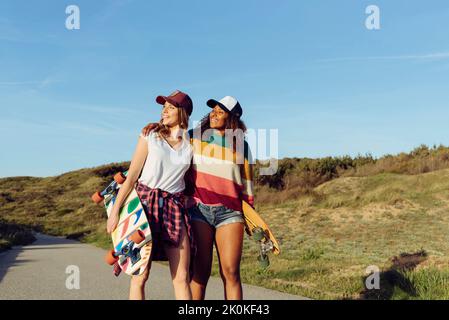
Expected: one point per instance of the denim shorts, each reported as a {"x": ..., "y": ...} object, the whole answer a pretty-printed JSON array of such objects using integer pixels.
[{"x": 215, "y": 216}]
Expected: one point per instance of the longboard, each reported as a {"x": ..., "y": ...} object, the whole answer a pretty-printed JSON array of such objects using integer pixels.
[
  {"x": 258, "y": 229},
  {"x": 132, "y": 240}
]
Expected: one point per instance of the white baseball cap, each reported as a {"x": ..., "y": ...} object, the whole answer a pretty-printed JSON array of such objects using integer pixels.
[{"x": 228, "y": 104}]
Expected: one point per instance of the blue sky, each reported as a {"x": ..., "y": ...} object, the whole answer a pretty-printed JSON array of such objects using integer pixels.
[{"x": 75, "y": 99}]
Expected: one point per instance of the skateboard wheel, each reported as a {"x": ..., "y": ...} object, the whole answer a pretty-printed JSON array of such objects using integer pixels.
[
  {"x": 264, "y": 262},
  {"x": 137, "y": 237},
  {"x": 110, "y": 258},
  {"x": 97, "y": 198},
  {"x": 258, "y": 234},
  {"x": 119, "y": 178}
]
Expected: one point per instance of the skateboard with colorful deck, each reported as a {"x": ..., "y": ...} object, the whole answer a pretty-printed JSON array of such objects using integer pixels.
[{"x": 131, "y": 239}]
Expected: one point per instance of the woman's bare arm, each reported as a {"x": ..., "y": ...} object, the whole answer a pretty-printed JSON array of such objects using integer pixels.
[{"x": 135, "y": 168}]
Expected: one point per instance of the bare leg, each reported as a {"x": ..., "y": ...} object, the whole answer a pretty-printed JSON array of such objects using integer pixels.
[
  {"x": 137, "y": 288},
  {"x": 204, "y": 237},
  {"x": 179, "y": 259},
  {"x": 229, "y": 243}
]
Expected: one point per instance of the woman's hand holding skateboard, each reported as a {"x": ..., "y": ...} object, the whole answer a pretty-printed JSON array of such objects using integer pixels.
[{"x": 112, "y": 221}]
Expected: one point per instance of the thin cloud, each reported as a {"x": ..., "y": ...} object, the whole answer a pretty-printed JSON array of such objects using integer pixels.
[
  {"x": 111, "y": 111},
  {"x": 89, "y": 129},
  {"x": 111, "y": 10},
  {"x": 65, "y": 127},
  {"x": 40, "y": 84},
  {"x": 19, "y": 83},
  {"x": 47, "y": 82},
  {"x": 426, "y": 56}
]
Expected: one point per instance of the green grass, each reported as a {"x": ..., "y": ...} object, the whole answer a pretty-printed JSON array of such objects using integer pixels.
[
  {"x": 328, "y": 236},
  {"x": 430, "y": 284},
  {"x": 61, "y": 205}
]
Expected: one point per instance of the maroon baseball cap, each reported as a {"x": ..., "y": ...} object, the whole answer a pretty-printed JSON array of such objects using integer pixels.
[{"x": 179, "y": 99}]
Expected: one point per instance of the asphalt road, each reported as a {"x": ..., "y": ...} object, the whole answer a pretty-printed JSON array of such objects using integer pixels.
[{"x": 50, "y": 267}]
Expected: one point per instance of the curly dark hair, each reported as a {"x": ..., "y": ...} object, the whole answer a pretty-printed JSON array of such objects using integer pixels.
[{"x": 232, "y": 122}]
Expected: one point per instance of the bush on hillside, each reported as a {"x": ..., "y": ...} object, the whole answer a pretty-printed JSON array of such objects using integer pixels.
[
  {"x": 296, "y": 176},
  {"x": 15, "y": 234}
]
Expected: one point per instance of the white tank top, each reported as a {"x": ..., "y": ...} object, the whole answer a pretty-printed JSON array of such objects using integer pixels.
[{"x": 165, "y": 167}]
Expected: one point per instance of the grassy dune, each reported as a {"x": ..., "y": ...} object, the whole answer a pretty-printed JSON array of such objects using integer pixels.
[
  {"x": 329, "y": 234},
  {"x": 61, "y": 205}
]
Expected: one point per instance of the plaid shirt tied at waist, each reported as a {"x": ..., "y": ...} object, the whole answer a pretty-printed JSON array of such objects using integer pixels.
[{"x": 165, "y": 212}]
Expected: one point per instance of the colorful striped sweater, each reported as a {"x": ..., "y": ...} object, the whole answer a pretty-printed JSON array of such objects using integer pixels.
[{"x": 218, "y": 175}]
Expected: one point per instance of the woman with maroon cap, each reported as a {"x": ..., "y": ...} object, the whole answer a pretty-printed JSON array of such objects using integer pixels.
[{"x": 158, "y": 167}]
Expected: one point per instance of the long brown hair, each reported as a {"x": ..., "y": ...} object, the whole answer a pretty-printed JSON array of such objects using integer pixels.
[{"x": 183, "y": 119}]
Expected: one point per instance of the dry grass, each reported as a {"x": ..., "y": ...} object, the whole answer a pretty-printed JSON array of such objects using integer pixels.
[
  {"x": 333, "y": 220},
  {"x": 12, "y": 234},
  {"x": 332, "y": 235}
]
